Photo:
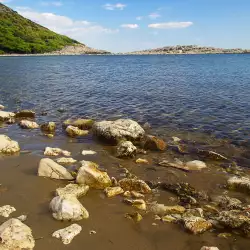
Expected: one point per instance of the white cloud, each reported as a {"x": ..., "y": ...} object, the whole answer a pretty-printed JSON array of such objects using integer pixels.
[
  {"x": 154, "y": 15},
  {"x": 139, "y": 18},
  {"x": 170, "y": 25},
  {"x": 117, "y": 6},
  {"x": 130, "y": 26},
  {"x": 55, "y": 3},
  {"x": 5, "y": 1}
]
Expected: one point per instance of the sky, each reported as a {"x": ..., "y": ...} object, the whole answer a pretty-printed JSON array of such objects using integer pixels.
[{"x": 130, "y": 25}]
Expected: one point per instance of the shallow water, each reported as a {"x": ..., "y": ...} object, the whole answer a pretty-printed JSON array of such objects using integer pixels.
[{"x": 201, "y": 98}]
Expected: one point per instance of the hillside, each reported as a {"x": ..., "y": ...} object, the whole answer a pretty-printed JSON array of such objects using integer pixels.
[
  {"x": 189, "y": 49},
  {"x": 19, "y": 35}
]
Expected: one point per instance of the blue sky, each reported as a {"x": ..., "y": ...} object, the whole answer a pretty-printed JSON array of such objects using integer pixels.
[{"x": 129, "y": 25}]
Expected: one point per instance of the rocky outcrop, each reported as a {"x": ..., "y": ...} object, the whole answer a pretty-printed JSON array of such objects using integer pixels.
[
  {"x": 135, "y": 185},
  {"x": 154, "y": 143},
  {"x": 68, "y": 208},
  {"x": 115, "y": 131},
  {"x": 126, "y": 149},
  {"x": 89, "y": 174},
  {"x": 55, "y": 152},
  {"x": 83, "y": 124},
  {"x": 49, "y": 168},
  {"x": 74, "y": 131},
  {"x": 5, "y": 116},
  {"x": 16, "y": 236},
  {"x": 26, "y": 124},
  {"x": 73, "y": 190},
  {"x": 7, "y": 146}
]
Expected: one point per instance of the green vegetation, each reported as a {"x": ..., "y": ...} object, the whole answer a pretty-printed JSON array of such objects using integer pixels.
[{"x": 22, "y": 36}]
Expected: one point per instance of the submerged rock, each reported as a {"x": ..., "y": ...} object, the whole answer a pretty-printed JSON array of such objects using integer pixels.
[
  {"x": 114, "y": 131},
  {"x": 88, "y": 152},
  {"x": 49, "y": 127},
  {"x": 7, "y": 146},
  {"x": 209, "y": 248},
  {"x": 141, "y": 161},
  {"x": 49, "y": 168},
  {"x": 6, "y": 210},
  {"x": 91, "y": 175},
  {"x": 22, "y": 218},
  {"x": 4, "y": 116},
  {"x": 196, "y": 165},
  {"x": 126, "y": 149},
  {"x": 25, "y": 114},
  {"x": 239, "y": 183},
  {"x": 16, "y": 236},
  {"x": 55, "y": 152},
  {"x": 73, "y": 190},
  {"x": 26, "y": 124},
  {"x": 198, "y": 212},
  {"x": 79, "y": 123},
  {"x": 196, "y": 224},
  {"x": 169, "y": 218},
  {"x": 154, "y": 143},
  {"x": 136, "y": 194},
  {"x": 67, "y": 234},
  {"x": 227, "y": 202},
  {"x": 66, "y": 161},
  {"x": 211, "y": 155},
  {"x": 138, "y": 203},
  {"x": 113, "y": 191},
  {"x": 135, "y": 185},
  {"x": 68, "y": 208},
  {"x": 136, "y": 217},
  {"x": 74, "y": 131},
  {"x": 161, "y": 209}
]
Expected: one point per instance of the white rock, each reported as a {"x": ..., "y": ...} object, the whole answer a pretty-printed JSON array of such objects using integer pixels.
[
  {"x": 49, "y": 168},
  {"x": 4, "y": 116},
  {"x": 89, "y": 174},
  {"x": 7, "y": 146},
  {"x": 64, "y": 160},
  {"x": 196, "y": 165},
  {"x": 26, "y": 124},
  {"x": 6, "y": 210},
  {"x": 74, "y": 131},
  {"x": 126, "y": 149},
  {"x": 16, "y": 236},
  {"x": 73, "y": 189},
  {"x": 116, "y": 130},
  {"x": 1, "y": 107},
  {"x": 88, "y": 152},
  {"x": 209, "y": 248},
  {"x": 22, "y": 218},
  {"x": 55, "y": 152},
  {"x": 68, "y": 208},
  {"x": 67, "y": 234}
]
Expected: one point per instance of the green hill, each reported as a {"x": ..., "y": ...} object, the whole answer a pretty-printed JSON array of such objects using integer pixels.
[{"x": 22, "y": 36}]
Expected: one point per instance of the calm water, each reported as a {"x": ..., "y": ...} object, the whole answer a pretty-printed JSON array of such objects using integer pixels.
[{"x": 204, "y": 93}]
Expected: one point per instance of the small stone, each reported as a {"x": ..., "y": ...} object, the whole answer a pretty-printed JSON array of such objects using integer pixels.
[
  {"x": 88, "y": 152},
  {"x": 136, "y": 217},
  {"x": 25, "y": 114},
  {"x": 224, "y": 235},
  {"x": 126, "y": 149},
  {"x": 196, "y": 165},
  {"x": 142, "y": 161},
  {"x": 66, "y": 161},
  {"x": 67, "y": 234},
  {"x": 113, "y": 191},
  {"x": 138, "y": 203},
  {"x": 135, "y": 185},
  {"x": 196, "y": 225},
  {"x": 49, "y": 127},
  {"x": 7, "y": 146},
  {"x": 154, "y": 143},
  {"x": 22, "y": 218},
  {"x": 49, "y": 135},
  {"x": 137, "y": 194},
  {"x": 209, "y": 248},
  {"x": 25, "y": 124},
  {"x": 92, "y": 232},
  {"x": 55, "y": 152},
  {"x": 239, "y": 183},
  {"x": 74, "y": 131},
  {"x": 73, "y": 190},
  {"x": 6, "y": 210},
  {"x": 168, "y": 218}
]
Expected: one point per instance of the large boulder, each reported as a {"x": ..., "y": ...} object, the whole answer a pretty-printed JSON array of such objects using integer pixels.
[
  {"x": 49, "y": 127},
  {"x": 79, "y": 123},
  {"x": 154, "y": 143},
  {"x": 5, "y": 116},
  {"x": 68, "y": 208},
  {"x": 134, "y": 185},
  {"x": 73, "y": 190},
  {"x": 126, "y": 149},
  {"x": 25, "y": 114},
  {"x": 49, "y": 168},
  {"x": 15, "y": 235},
  {"x": 74, "y": 131},
  {"x": 89, "y": 174},
  {"x": 26, "y": 124},
  {"x": 7, "y": 146},
  {"x": 114, "y": 131},
  {"x": 239, "y": 183}
]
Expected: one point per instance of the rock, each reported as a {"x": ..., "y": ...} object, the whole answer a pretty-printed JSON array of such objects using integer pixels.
[
  {"x": 89, "y": 174},
  {"x": 136, "y": 194},
  {"x": 114, "y": 182},
  {"x": 127, "y": 194},
  {"x": 88, "y": 152},
  {"x": 169, "y": 218},
  {"x": 239, "y": 183},
  {"x": 161, "y": 209},
  {"x": 174, "y": 209},
  {"x": 227, "y": 203},
  {"x": 154, "y": 143},
  {"x": 28, "y": 124},
  {"x": 176, "y": 139},
  {"x": 66, "y": 161},
  {"x": 135, "y": 185},
  {"x": 196, "y": 165},
  {"x": 208, "y": 209},
  {"x": 224, "y": 235},
  {"x": 79, "y": 123},
  {"x": 141, "y": 161},
  {"x": 126, "y": 149},
  {"x": 11, "y": 120},
  {"x": 113, "y": 191},
  {"x": 55, "y": 152},
  {"x": 209, "y": 248},
  {"x": 196, "y": 225},
  {"x": 22, "y": 218},
  {"x": 6, "y": 210},
  {"x": 4, "y": 116},
  {"x": 198, "y": 212},
  {"x": 74, "y": 131},
  {"x": 49, "y": 127},
  {"x": 211, "y": 155},
  {"x": 68, "y": 208},
  {"x": 73, "y": 190},
  {"x": 7, "y": 146},
  {"x": 138, "y": 203},
  {"x": 136, "y": 217},
  {"x": 92, "y": 232},
  {"x": 16, "y": 236},
  {"x": 1, "y": 107},
  {"x": 67, "y": 234},
  {"x": 25, "y": 114},
  {"x": 49, "y": 168},
  {"x": 114, "y": 131}
]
